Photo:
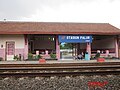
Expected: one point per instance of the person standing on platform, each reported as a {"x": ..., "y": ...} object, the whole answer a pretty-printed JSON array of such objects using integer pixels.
[{"x": 87, "y": 56}]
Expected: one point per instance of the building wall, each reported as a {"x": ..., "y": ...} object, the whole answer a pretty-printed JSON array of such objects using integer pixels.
[{"x": 19, "y": 44}]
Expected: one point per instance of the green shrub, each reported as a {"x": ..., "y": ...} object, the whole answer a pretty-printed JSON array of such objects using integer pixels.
[
  {"x": 16, "y": 57},
  {"x": 30, "y": 56},
  {"x": 97, "y": 55},
  {"x": 53, "y": 56},
  {"x": 37, "y": 57}
]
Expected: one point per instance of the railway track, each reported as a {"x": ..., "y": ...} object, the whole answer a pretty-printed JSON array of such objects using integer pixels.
[
  {"x": 61, "y": 73},
  {"x": 62, "y": 68},
  {"x": 59, "y": 64},
  {"x": 59, "y": 69}
]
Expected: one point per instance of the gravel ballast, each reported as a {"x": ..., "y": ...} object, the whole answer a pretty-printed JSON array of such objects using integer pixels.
[{"x": 81, "y": 82}]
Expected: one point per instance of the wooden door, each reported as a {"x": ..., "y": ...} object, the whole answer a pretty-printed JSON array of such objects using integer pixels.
[{"x": 10, "y": 51}]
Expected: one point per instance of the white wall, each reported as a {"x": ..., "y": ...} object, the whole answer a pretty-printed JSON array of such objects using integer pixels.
[{"x": 18, "y": 39}]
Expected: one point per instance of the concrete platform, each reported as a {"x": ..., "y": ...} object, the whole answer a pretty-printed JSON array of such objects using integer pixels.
[{"x": 55, "y": 61}]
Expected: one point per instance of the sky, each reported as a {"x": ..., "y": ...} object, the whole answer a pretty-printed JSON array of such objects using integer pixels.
[{"x": 79, "y": 11}]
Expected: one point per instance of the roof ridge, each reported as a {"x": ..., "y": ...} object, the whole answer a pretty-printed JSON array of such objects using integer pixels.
[{"x": 51, "y": 22}]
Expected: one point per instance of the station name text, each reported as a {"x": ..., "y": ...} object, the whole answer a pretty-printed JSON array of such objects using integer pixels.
[{"x": 78, "y": 37}]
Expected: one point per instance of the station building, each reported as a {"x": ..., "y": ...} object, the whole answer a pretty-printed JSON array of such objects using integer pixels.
[{"x": 22, "y": 38}]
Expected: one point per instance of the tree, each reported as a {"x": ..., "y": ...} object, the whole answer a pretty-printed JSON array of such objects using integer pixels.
[{"x": 66, "y": 46}]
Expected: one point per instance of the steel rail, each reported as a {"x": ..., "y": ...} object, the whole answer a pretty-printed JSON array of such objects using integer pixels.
[
  {"x": 60, "y": 64},
  {"x": 66, "y": 70},
  {"x": 62, "y": 68},
  {"x": 61, "y": 73}
]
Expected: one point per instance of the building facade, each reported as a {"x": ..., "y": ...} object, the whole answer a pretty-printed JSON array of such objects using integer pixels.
[{"x": 22, "y": 38}]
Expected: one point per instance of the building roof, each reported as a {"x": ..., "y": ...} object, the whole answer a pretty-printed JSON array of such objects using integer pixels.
[{"x": 57, "y": 28}]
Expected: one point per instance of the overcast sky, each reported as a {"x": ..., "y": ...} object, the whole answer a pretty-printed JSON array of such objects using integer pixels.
[{"x": 83, "y": 11}]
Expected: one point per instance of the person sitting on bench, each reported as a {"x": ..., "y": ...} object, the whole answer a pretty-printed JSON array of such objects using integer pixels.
[{"x": 80, "y": 56}]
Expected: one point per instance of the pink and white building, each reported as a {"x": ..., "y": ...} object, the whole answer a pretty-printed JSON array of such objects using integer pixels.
[{"x": 21, "y": 38}]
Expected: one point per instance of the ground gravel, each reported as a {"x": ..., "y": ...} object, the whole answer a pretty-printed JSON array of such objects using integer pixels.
[{"x": 60, "y": 83}]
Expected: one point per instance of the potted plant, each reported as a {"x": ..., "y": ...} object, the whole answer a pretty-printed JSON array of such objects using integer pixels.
[
  {"x": 38, "y": 56},
  {"x": 97, "y": 55},
  {"x": 42, "y": 60},
  {"x": 16, "y": 57},
  {"x": 100, "y": 59},
  {"x": 30, "y": 56},
  {"x": 53, "y": 56}
]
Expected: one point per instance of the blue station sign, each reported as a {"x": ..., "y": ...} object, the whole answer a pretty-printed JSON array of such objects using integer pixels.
[{"x": 75, "y": 38}]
